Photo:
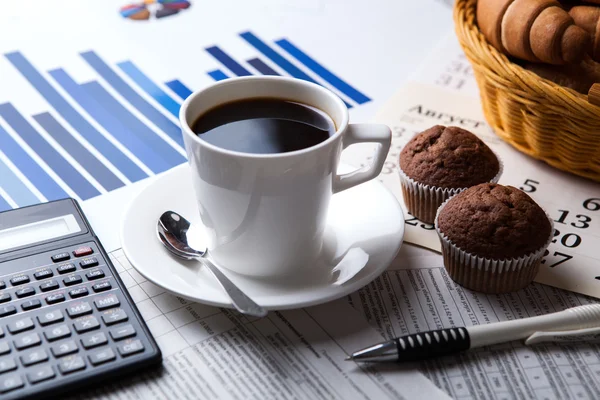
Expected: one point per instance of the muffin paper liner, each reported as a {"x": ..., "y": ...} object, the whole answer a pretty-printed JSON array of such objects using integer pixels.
[
  {"x": 487, "y": 275},
  {"x": 423, "y": 201}
]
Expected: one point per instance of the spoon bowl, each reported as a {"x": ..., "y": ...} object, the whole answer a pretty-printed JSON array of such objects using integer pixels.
[{"x": 172, "y": 230}]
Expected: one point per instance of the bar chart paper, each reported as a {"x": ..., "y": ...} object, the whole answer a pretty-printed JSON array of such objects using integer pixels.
[{"x": 129, "y": 118}]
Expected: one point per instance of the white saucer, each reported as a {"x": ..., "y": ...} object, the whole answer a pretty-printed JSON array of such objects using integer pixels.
[{"x": 363, "y": 235}]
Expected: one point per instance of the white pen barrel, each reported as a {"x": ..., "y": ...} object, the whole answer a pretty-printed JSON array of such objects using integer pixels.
[{"x": 587, "y": 316}]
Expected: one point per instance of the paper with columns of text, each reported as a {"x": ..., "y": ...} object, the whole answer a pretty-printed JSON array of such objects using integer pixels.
[
  {"x": 572, "y": 261},
  {"x": 420, "y": 296},
  {"x": 216, "y": 353}
]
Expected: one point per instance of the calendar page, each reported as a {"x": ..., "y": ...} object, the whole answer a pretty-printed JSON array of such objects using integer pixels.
[
  {"x": 572, "y": 261},
  {"x": 447, "y": 66}
]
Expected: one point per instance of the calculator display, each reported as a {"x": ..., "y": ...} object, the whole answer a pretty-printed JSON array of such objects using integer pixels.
[{"x": 38, "y": 231}]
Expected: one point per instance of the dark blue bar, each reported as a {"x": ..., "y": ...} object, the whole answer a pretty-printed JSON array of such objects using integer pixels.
[
  {"x": 150, "y": 87},
  {"x": 4, "y": 204},
  {"x": 152, "y": 149},
  {"x": 217, "y": 75},
  {"x": 261, "y": 67},
  {"x": 323, "y": 72},
  {"x": 179, "y": 88},
  {"x": 87, "y": 160},
  {"x": 277, "y": 58},
  {"x": 14, "y": 186},
  {"x": 81, "y": 125},
  {"x": 227, "y": 61},
  {"x": 99, "y": 111},
  {"x": 133, "y": 97},
  {"x": 81, "y": 186},
  {"x": 28, "y": 167}
]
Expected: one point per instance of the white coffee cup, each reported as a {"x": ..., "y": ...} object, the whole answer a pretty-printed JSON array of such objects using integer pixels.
[{"x": 266, "y": 213}]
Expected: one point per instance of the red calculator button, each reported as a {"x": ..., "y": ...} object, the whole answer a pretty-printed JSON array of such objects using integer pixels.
[{"x": 83, "y": 251}]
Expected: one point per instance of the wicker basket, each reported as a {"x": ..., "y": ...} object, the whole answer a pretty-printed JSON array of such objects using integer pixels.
[{"x": 538, "y": 117}]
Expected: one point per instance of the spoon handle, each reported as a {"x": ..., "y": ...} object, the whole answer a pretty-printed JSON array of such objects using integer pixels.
[{"x": 241, "y": 302}]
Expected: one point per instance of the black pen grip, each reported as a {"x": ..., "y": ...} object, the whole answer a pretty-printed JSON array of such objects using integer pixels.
[{"x": 423, "y": 345}]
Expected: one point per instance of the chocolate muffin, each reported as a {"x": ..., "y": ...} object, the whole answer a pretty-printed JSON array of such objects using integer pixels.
[
  {"x": 493, "y": 237},
  {"x": 440, "y": 162}
]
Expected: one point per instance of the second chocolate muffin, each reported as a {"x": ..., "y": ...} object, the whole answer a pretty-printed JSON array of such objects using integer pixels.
[
  {"x": 493, "y": 237},
  {"x": 440, "y": 162}
]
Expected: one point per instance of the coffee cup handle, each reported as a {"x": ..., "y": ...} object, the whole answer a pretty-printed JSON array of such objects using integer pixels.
[{"x": 364, "y": 133}]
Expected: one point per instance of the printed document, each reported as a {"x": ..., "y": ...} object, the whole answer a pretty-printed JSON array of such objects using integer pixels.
[
  {"x": 411, "y": 298},
  {"x": 215, "y": 353}
]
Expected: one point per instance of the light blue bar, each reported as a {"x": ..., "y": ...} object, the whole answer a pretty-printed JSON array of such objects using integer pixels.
[
  {"x": 15, "y": 188},
  {"x": 79, "y": 152},
  {"x": 217, "y": 75},
  {"x": 76, "y": 120},
  {"x": 179, "y": 88},
  {"x": 68, "y": 173},
  {"x": 151, "y": 148},
  {"x": 150, "y": 87},
  {"x": 133, "y": 97},
  {"x": 101, "y": 111},
  {"x": 323, "y": 72},
  {"x": 4, "y": 206},
  {"x": 28, "y": 167}
]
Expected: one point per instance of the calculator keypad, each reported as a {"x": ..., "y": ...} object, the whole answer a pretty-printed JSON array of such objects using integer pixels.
[
  {"x": 64, "y": 318},
  {"x": 7, "y": 310},
  {"x": 40, "y": 374},
  {"x": 58, "y": 332},
  {"x": 31, "y": 304},
  {"x": 10, "y": 382},
  {"x": 19, "y": 280},
  {"x": 49, "y": 285}
]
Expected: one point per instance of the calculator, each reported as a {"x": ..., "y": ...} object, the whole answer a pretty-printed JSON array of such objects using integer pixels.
[{"x": 66, "y": 319}]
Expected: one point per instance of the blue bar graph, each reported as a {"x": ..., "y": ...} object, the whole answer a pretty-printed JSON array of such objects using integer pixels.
[
  {"x": 159, "y": 119},
  {"x": 76, "y": 120},
  {"x": 261, "y": 67},
  {"x": 217, "y": 75},
  {"x": 323, "y": 72},
  {"x": 4, "y": 204},
  {"x": 15, "y": 188},
  {"x": 227, "y": 61},
  {"x": 83, "y": 156},
  {"x": 179, "y": 88},
  {"x": 108, "y": 121},
  {"x": 96, "y": 131},
  {"x": 28, "y": 167},
  {"x": 152, "y": 150},
  {"x": 53, "y": 158},
  {"x": 150, "y": 87}
]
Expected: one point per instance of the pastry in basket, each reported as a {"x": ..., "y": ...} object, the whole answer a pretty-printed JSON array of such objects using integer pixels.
[
  {"x": 533, "y": 30},
  {"x": 440, "y": 162},
  {"x": 588, "y": 17}
]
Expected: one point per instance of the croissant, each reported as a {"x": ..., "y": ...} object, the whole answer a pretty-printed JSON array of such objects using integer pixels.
[
  {"x": 532, "y": 30},
  {"x": 588, "y": 17}
]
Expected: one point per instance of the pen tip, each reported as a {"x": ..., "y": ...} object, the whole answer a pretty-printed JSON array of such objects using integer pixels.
[{"x": 349, "y": 358}]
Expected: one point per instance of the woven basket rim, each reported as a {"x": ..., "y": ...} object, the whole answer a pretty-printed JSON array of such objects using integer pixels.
[{"x": 468, "y": 34}]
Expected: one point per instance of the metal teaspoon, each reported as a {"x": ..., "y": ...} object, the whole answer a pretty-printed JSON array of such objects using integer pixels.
[{"x": 172, "y": 231}]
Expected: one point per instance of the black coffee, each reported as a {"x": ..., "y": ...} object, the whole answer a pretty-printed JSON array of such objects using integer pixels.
[{"x": 264, "y": 125}]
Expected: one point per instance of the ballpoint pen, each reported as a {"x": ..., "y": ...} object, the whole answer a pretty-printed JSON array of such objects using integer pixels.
[{"x": 574, "y": 324}]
